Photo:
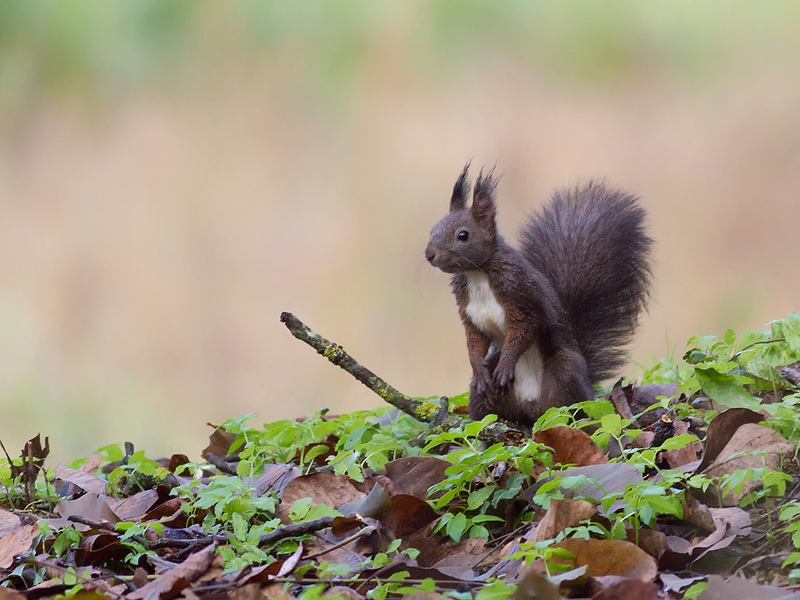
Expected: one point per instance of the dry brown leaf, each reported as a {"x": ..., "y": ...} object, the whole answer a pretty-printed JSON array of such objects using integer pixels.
[
  {"x": 408, "y": 514},
  {"x": 682, "y": 456},
  {"x": 730, "y": 523},
  {"x": 679, "y": 545},
  {"x": 219, "y": 443},
  {"x": 790, "y": 373},
  {"x": 632, "y": 400},
  {"x": 697, "y": 513},
  {"x": 677, "y": 555},
  {"x": 433, "y": 549},
  {"x": 415, "y": 474},
  {"x": 7, "y": 594},
  {"x": 354, "y": 553},
  {"x": 88, "y": 482},
  {"x": 140, "y": 578},
  {"x": 171, "y": 582},
  {"x": 8, "y": 522},
  {"x": 620, "y": 401},
  {"x": 570, "y": 446},
  {"x": 646, "y": 395},
  {"x": 756, "y": 442},
  {"x": 535, "y": 587},
  {"x": 614, "y": 588},
  {"x": 755, "y": 446},
  {"x": 274, "y": 479},
  {"x": 711, "y": 540},
  {"x": 376, "y": 504},
  {"x": 650, "y": 540},
  {"x": 737, "y": 588},
  {"x": 472, "y": 553},
  {"x": 674, "y": 583},
  {"x": 171, "y": 508},
  {"x": 176, "y": 461},
  {"x": 706, "y": 557},
  {"x": 100, "y": 549},
  {"x": 611, "y": 557},
  {"x": 212, "y": 574},
  {"x": 277, "y": 591},
  {"x": 266, "y": 573},
  {"x": 344, "y": 592},
  {"x": 92, "y": 463},
  {"x": 15, "y": 543},
  {"x": 722, "y": 428},
  {"x": 251, "y": 591},
  {"x": 604, "y": 479},
  {"x": 643, "y": 440},
  {"x": 562, "y": 514},
  {"x": 133, "y": 508},
  {"x": 101, "y": 590},
  {"x": 507, "y": 568},
  {"x": 89, "y": 506},
  {"x": 322, "y": 488},
  {"x": 343, "y": 526},
  {"x": 736, "y": 520}
]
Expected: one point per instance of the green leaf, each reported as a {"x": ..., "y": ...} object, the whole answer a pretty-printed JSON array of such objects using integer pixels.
[
  {"x": 356, "y": 436},
  {"x": 356, "y": 473},
  {"x": 321, "y": 510},
  {"x": 725, "y": 389},
  {"x": 790, "y": 511},
  {"x": 299, "y": 509},
  {"x": 485, "y": 518},
  {"x": 478, "y": 531},
  {"x": 729, "y": 337},
  {"x": 792, "y": 331},
  {"x": 478, "y": 497},
  {"x": 695, "y": 590},
  {"x": 664, "y": 505},
  {"x": 455, "y": 528},
  {"x": 612, "y": 424},
  {"x": 497, "y": 590}
]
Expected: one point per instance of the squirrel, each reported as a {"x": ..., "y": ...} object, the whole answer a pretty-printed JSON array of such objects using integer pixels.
[{"x": 547, "y": 322}]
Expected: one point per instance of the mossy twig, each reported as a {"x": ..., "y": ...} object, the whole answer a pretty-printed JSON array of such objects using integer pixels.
[{"x": 425, "y": 411}]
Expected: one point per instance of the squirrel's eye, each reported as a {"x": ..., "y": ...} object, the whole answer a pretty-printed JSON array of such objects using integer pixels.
[{"x": 462, "y": 235}]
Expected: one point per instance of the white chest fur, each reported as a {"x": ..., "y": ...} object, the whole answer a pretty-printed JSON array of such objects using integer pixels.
[
  {"x": 485, "y": 311},
  {"x": 483, "y": 308}
]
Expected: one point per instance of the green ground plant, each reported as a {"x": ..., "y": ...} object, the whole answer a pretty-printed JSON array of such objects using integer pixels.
[{"x": 480, "y": 495}]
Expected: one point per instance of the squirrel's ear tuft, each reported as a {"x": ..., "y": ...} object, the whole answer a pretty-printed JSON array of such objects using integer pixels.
[
  {"x": 483, "y": 204},
  {"x": 460, "y": 190}
]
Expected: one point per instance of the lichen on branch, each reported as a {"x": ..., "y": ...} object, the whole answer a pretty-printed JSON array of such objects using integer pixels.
[{"x": 424, "y": 411}]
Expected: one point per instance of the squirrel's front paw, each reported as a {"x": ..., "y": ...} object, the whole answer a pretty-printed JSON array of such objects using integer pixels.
[
  {"x": 481, "y": 380},
  {"x": 503, "y": 375}
]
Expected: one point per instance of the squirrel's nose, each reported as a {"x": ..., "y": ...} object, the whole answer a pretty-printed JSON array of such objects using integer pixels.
[{"x": 430, "y": 254}]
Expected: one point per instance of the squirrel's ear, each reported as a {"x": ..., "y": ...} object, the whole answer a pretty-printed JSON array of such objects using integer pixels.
[
  {"x": 483, "y": 205},
  {"x": 460, "y": 190}
]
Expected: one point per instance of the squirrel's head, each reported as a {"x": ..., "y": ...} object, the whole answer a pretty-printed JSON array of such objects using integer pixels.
[{"x": 466, "y": 238}]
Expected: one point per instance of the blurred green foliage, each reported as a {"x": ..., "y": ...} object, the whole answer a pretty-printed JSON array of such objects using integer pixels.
[{"x": 86, "y": 46}]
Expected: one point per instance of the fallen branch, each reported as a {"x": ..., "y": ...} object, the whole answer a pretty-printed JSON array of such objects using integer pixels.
[
  {"x": 296, "y": 529},
  {"x": 425, "y": 411}
]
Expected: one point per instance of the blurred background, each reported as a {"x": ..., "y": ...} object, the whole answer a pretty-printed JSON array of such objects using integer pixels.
[{"x": 175, "y": 174}]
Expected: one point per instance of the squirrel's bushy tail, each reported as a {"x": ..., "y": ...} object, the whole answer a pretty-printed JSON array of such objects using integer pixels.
[{"x": 591, "y": 243}]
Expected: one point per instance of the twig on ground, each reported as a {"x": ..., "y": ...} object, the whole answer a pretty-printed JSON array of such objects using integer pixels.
[
  {"x": 222, "y": 464},
  {"x": 360, "y": 533},
  {"x": 296, "y": 530},
  {"x": 98, "y": 525},
  {"x": 424, "y": 411}
]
